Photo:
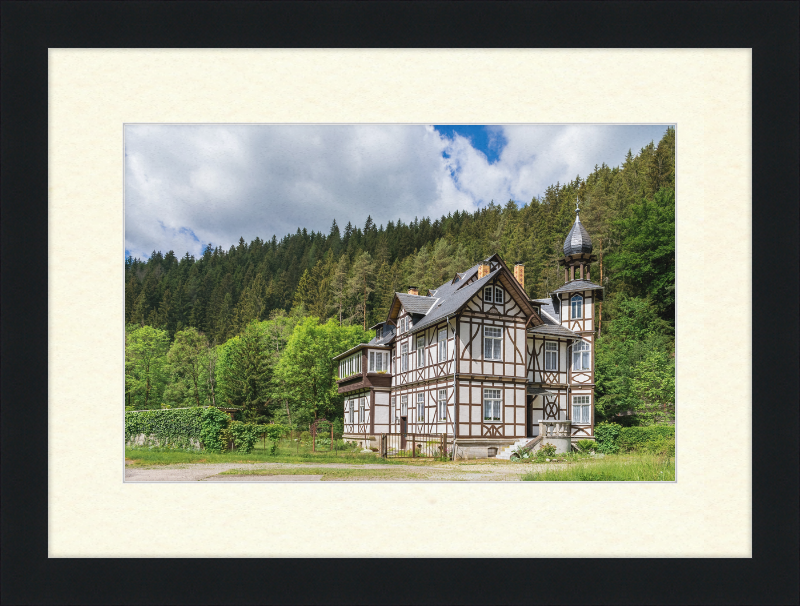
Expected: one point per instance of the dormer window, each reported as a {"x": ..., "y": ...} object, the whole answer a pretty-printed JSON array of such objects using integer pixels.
[
  {"x": 498, "y": 295},
  {"x": 577, "y": 307}
]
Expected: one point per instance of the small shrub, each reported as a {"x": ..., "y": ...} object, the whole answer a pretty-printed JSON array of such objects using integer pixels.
[
  {"x": 585, "y": 446},
  {"x": 606, "y": 435},
  {"x": 643, "y": 439},
  {"x": 305, "y": 437},
  {"x": 546, "y": 451},
  {"x": 244, "y": 435}
]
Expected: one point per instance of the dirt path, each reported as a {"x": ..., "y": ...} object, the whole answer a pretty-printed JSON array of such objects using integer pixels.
[{"x": 314, "y": 472}]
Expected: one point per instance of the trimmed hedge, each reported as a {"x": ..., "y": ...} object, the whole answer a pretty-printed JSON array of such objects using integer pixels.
[
  {"x": 180, "y": 428},
  {"x": 651, "y": 438}
]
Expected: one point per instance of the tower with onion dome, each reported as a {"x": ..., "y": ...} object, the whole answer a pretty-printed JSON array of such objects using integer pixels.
[
  {"x": 577, "y": 251},
  {"x": 573, "y": 307}
]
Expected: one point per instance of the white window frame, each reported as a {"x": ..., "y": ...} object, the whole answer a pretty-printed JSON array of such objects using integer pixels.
[
  {"x": 581, "y": 410},
  {"x": 352, "y": 406},
  {"x": 576, "y": 307},
  {"x": 395, "y": 409},
  {"x": 498, "y": 295},
  {"x": 488, "y": 295},
  {"x": 404, "y": 357},
  {"x": 420, "y": 407},
  {"x": 351, "y": 365},
  {"x": 362, "y": 411},
  {"x": 420, "y": 341},
  {"x": 378, "y": 361},
  {"x": 443, "y": 345},
  {"x": 492, "y": 405},
  {"x": 492, "y": 344},
  {"x": 581, "y": 356},
  {"x": 404, "y": 406},
  {"x": 550, "y": 355},
  {"x": 442, "y": 404}
]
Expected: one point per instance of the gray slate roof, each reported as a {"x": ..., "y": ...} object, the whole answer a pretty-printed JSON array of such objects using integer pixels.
[
  {"x": 451, "y": 298},
  {"x": 553, "y": 330},
  {"x": 549, "y": 314},
  {"x": 416, "y": 304},
  {"x": 578, "y": 240},
  {"x": 578, "y": 285},
  {"x": 546, "y": 305},
  {"x": 387, "y": 334}
]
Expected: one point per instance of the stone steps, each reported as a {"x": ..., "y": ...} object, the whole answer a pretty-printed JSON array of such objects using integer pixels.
[{"x": 505, "y": 453}]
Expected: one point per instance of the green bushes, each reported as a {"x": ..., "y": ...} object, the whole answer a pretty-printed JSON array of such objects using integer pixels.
[
  {"x": 585, "y": 446},
  {"x": 176, "y": 428},
  {"x": 606, "y": 435},
  {"x": 191, "y": 429},
  {"x": 653, "y": 439},
  {"x": 546, "y": 451},
  {"x": 214, "y": 421},
  {"x": 244, "y": 435}
]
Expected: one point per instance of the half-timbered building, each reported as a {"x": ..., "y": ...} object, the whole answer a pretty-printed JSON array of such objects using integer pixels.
[{"x": 477, "y": 360}]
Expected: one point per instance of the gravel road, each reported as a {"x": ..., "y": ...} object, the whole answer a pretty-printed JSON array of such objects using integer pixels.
[{"x": 204, "y": 472}]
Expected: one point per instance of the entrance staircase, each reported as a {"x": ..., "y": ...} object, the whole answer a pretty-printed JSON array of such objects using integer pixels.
[{"x": 531, "y": 443}]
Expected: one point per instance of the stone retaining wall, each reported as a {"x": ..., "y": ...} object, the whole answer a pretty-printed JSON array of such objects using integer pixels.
[{"x": 146, "y": 440}]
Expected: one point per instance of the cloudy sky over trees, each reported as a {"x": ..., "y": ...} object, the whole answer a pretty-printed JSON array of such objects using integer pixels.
[{"x": 190, "y": 185}]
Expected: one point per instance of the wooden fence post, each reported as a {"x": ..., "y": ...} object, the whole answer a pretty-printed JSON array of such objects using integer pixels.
[{"x": 413, "y": 446}]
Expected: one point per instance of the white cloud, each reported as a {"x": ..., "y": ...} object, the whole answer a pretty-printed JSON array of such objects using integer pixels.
[{"x": 220, "y": 182}]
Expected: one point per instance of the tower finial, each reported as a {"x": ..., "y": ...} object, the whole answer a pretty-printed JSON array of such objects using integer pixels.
[{"x": 577, "y": 201}]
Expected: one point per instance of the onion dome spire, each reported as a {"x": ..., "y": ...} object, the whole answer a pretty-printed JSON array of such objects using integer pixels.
[{"x": 578, "y": 240}]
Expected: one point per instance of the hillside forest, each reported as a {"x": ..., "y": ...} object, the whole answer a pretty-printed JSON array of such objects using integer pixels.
[{"x": 255, "y": 326}]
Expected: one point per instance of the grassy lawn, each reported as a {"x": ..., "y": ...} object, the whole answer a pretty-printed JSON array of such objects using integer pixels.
[
  {"x": 287, "y": 453},
  {"x": 626, "y": 467}
]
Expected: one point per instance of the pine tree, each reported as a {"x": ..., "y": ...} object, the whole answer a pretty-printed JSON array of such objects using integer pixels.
[{"x": 360, "y": 285}]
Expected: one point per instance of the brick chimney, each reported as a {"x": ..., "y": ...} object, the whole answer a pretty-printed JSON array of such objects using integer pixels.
[
  {"x": 483, "y": 270},
  {"x": 519, "y": 273},
  {"x": 413, "y": 290}
]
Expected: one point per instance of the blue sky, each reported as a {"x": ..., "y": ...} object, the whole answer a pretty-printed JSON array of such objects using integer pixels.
[
  {"x": 189, "y": 185},
  {"x": 486, "y": 139}
]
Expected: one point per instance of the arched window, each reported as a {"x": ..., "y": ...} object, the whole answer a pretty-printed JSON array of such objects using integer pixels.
[
  {"x": 581, "y": 354},
  {"x": 577, "y": 307}
]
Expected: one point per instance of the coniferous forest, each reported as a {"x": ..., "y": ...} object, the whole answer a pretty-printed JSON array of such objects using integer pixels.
[{"x": 255, "y": 326}]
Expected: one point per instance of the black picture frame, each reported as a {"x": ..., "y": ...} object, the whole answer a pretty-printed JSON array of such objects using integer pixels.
[{"x": 29, "y": 29}]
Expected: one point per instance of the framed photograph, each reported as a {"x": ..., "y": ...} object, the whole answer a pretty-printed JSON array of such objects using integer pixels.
[{"x": 75, "y": 531}]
